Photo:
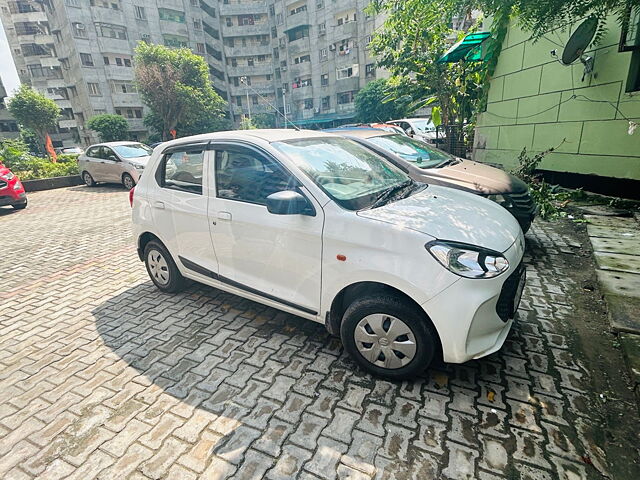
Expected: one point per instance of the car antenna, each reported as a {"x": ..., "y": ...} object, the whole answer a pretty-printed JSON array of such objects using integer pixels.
[{"x": 242, "y": 80}]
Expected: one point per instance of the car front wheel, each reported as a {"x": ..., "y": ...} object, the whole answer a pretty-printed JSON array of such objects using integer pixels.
[
  {"x": 388, "y": 337},
  {"x": 162, "y": 269},
  {"x": 128, "y": 182}
]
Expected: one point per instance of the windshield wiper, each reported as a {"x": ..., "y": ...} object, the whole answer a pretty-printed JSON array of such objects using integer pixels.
[{"x": 390, "y": 192}]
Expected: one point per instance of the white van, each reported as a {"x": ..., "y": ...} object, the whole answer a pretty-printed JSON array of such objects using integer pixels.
[{"x": 319, "y": 226}]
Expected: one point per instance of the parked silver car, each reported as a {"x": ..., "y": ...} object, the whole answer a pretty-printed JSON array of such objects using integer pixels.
[{"x": 114, "y": 162}]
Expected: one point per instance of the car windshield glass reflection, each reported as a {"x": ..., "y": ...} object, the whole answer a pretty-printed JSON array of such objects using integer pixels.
[
  {"x": 133, "y": 150},
  {"x": 349, "y": 173},
  {"x": 414, "y": 151},
  {"x": 424, "y": 125}
]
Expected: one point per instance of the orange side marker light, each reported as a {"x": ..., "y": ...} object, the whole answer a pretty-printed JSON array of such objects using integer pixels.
[{"x": 342, "y": 258}]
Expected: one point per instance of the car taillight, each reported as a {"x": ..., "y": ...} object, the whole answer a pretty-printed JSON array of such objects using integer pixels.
[{"x": 131, "y": 196}]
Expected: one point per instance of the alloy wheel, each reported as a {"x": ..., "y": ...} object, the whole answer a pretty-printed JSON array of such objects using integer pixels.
[
  {"x": 158, "y": 267},
  {"x": 128, "y": 182},
  {"x": 385, "y": 341}
]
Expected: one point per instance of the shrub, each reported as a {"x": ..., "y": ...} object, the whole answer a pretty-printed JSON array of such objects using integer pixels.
[{"x": 14, "y": 154}]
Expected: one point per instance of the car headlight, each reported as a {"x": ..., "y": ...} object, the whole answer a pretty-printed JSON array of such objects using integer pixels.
[
  {"x": 17, "y": 186},
  {"x": 503, "y": 200},
  {"x": 139, "y": 167},
  {"x": 468, "y": 260},
  {"x": 7, "y": 176}
]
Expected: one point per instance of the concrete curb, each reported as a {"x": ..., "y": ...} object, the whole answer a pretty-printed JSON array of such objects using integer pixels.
[{"x": 51, "y": 183}]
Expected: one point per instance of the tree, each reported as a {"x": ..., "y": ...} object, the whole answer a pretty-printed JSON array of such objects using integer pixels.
[
  {"x": 415, "y": 34},
  {"x": 175, "y": 85},
  {"x": 111, "y": 128},
  {"x": 264, "y": 120},
  {"x": 246, "y": 123},
  {"x": 34, "y": 111},
  {"x": 376, "y": 102}
]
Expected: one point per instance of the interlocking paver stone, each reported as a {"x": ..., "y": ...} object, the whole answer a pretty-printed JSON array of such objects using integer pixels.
[{"x": 102, "y": 376}]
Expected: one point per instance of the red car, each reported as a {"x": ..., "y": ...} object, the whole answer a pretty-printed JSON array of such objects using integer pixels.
[{"x": 11, "y": 189}]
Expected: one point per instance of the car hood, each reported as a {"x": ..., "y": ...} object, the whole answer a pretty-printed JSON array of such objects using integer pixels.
[
  {"x": 449, "y": 214},
  {"x": 475, "y": 177},
  {"x": 139, "y": 161}
]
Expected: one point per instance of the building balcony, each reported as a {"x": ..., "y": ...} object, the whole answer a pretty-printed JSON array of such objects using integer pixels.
[
  {"x": 136, "y": 124},
  {"x": 115, "y": 72},
  {"x": 49, "y": 62},
  {"x": 265, "y": 68},
  {"x": 296, "y": 47},
  {"x": 261, "y": 88},
  {"x": 39, "y": 39},
  {"x": 68, "y": 123},
  {"x": 106, "y": 15},
  {"x": 346, "y": 84},
  {"x": 125, "y": 99},
  {"x": 300, "y": 69},
  {"x": 297, "y": 20},
  {"x": 260, "y": 108},
  {"x": 173, "y": 28},
  {"x": 29, "y": 17},
  {"x": 244, "y": 8},
  {"x": 301, "y": 93},
  {"x": 346, "y": 108},
  {"x": 246, "y": 30},
  {"x": 53, "y": 82},
  {"x": 64, "y": 103},
  {"x": 346, "y": 30},
  {"x": 114, "y": 45},
  {"x": 249, "y": 50}
]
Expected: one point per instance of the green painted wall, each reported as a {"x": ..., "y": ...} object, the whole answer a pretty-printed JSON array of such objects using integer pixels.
[{"x": 531, "y": 105}]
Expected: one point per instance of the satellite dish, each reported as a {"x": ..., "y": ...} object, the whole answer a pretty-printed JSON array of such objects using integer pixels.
[{"x": 579, "y": 41}]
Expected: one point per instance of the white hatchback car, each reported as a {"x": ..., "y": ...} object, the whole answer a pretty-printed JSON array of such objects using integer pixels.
[
  {"x": 114, "y": 162},
  {"x": 321, "y": 227}
]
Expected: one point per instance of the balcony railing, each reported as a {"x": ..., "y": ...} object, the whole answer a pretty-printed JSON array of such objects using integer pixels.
[
  {"x": 244, "y": 30},
  {"x": 243, "y": 8},
  {"x": 265, "y": 68},
  {"x": 249, "y": 50}
]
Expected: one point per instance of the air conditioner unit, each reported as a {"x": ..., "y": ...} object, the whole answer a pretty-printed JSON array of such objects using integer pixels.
[
  {"x": 283, "y": 69},
  {"x": 316, "y": 110},
  {"x": 80, "y": 26},
  {"x": 332, "y": 47}
]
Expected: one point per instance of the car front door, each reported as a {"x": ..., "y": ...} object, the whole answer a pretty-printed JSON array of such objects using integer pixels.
[
  {"x": 274, "y": 256},
  {"x": 180, "y": 207}
]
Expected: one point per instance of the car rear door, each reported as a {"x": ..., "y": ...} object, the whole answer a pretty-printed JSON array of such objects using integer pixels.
[
  {"x": 111, "y": 166},
  {"x": 180, "y": 205},
  {"x": 90, "y": 162},
  {"x": 277, "y": 257}
]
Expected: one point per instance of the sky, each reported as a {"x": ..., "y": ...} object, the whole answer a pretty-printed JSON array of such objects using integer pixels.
[{"x": 8, "y": 71}]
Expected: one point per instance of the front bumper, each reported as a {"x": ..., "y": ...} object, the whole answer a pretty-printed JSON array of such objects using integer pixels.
[
  {"x": 9, "y": 196},
  {"x": 478, "y": 325}
]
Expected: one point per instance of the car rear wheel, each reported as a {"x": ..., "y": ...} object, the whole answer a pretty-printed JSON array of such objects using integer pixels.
[
  {"x": 88, "y": 179},
  {"x": 20, "y": 206},
  {"x": 162, "y": 269},
  {"x": 127, "y": 181},
  {"x": 388, "y": 336}
]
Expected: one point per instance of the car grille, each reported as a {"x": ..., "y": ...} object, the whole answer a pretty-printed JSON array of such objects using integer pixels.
[
  {"x": 522, "y": 201},
  {"x": 504, "y": 307}
]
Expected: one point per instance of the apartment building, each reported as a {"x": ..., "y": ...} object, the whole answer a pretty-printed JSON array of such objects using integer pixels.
[
  {"x": 8, "y": 125},
  {"x": 307, "y": 58}
]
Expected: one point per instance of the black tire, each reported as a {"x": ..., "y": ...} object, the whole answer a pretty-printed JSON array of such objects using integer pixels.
[
  {"x": 20, "y": 206},
  {"x": 391, "y": 305},
  {"x": 174, "y": 282},
  {"x": 127, "y": 181},
  {"x": 88, "y": 179}
]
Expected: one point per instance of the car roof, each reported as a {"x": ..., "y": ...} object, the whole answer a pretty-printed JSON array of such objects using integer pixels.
[
  {"x": 413, "y": 119},
  {"x": 112, "y": 144},
  {"x": 267, "y": 134},
  {"x": 361, "y": 132}
]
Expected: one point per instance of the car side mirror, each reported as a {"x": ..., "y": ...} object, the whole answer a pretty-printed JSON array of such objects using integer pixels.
[
  {"x": 288, "y": 202},
  {"x": 113, "y": 157}
]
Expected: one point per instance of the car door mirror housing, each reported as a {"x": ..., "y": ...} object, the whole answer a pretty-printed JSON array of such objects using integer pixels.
[{"x": 288, "y": 202}]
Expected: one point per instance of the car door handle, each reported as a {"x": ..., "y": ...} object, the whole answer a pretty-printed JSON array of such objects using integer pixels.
[
  {"x": 159, "y": 205},
  {"x": 224, "y": 216}
]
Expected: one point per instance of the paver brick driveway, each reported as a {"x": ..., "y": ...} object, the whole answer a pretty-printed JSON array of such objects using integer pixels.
[{"x": 102, "y": 376}]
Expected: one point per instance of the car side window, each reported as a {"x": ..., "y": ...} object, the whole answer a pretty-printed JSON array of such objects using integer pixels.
[
  {"x": 182, "y": 170},
  {"x": 92, "y": 152},
  {"x": 247, "y": 176}
]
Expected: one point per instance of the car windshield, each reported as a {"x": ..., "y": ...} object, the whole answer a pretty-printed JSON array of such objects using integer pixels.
[
  {"x": 423, "y": 125},
  {"x": 419, "y": 153},
  {"x": 133, "y": 150},
  {"x": 349, "y": 173}
]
